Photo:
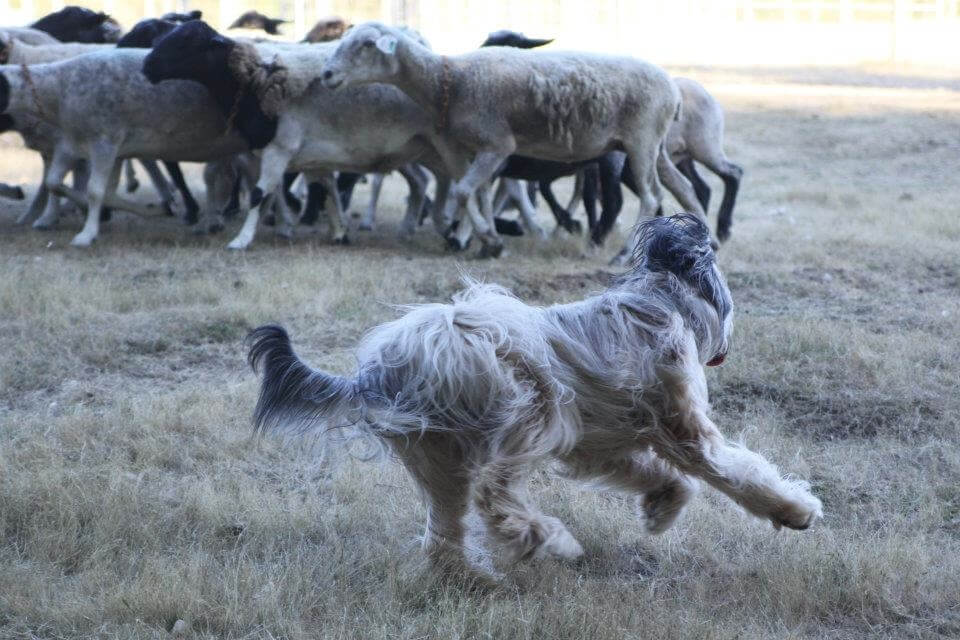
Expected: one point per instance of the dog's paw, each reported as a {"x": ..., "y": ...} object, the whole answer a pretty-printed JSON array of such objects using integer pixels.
[
  {"x": 563, "y": 546},
  {"x": 798, "y": 514},
  {"x": 662, "y": 508}
]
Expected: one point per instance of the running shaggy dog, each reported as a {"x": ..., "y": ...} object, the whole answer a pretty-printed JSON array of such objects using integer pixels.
[{"x": 470, "y": 396}]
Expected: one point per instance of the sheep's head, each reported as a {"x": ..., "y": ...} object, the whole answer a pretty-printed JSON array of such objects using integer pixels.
[
  {"x": 77, "y": 24},
  {"x": 145, "y": 33},
  {"x": 368, "y": 53},
  {"x": 192, "y": 51}
]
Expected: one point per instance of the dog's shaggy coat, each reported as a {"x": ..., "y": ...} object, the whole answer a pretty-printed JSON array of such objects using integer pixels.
[{"x": 470, "y": 395}]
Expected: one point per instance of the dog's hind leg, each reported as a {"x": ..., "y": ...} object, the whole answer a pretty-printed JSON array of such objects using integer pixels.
[
  {"x": 501, "y": 499},
  {"x": 664, "y": 491},
  {"x": 440, "y": 472}
]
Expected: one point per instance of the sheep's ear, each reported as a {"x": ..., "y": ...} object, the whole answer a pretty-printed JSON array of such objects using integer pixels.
[{"x": 387, "y": 44}]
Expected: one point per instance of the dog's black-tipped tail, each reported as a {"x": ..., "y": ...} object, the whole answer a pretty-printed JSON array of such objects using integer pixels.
[{"x": 293, "y": 396}]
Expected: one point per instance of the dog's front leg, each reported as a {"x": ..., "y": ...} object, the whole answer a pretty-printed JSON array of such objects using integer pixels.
[{"x": 690, "y": 440}]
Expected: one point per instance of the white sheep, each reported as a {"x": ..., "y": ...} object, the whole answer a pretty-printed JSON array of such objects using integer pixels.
[
  {"x": 177, "y": 121},
  {"x": 497, "y": 101}
]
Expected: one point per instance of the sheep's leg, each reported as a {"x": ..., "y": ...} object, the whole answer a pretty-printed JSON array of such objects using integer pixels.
[
  {"x": 562, "y": 216},
  {"x": 60, "y": 164},
  {"x": 37, "y": 204},
  {"x": 272, "y": 167},
  {"x": 688, "y": 168},
  {"x": 39, "y": 201},
  {"x": 442, "y": 198},
  {"x": 480, "y": 173},
  {"x": 191, "y": 207},
  {"x": 610, "y": 171},
  {"x": 527, "y": 212},
  {"x": 678, "y": 185},
  {"x": 501, "y": 197},
  {"x": 219, "y": 180},
  {"x": 731, "y": 174},
  {"x": 336, "y": 215},
  {"x": 160, "y": 183},
  {"x": 643, "y": 164},
  {"x": 369, "y": 217},
  {"x": 577, "y": 194},
  {"x": 689, "y": 440},
  {"x": 663, "y": 490},
  {"x": 102, "y": 163},
  {"x": 418, "y": 195},
  {"x": 131, "y": 176}
]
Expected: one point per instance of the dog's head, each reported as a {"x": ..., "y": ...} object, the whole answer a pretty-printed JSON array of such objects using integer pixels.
[{"x": 680, "y": 245}]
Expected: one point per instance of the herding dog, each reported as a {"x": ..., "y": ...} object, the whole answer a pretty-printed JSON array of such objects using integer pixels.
[{"x": 471, "y": 395}]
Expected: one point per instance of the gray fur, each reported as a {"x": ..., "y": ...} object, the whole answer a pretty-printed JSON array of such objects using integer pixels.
[{"x": 29, "y": 35}]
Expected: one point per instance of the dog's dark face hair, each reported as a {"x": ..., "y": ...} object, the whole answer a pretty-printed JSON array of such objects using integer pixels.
[
  {"x": 507, "y": 38},
  {"x": 680, "y": 244}
]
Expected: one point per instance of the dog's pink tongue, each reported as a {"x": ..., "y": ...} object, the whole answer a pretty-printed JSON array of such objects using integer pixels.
[{"x": 717, "y": 359}]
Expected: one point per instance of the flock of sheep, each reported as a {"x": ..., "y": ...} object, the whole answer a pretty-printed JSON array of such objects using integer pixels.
[{"x": 341, "y": 104}]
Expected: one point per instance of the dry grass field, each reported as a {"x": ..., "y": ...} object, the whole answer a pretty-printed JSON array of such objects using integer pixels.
[{"x": 132, "y": 494}]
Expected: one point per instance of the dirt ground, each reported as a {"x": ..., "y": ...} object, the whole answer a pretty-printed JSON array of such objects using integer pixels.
[{"x": 133, "y": 496}]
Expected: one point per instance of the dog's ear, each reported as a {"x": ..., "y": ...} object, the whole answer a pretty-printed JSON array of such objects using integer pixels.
[{"x": 679, "y": 244}]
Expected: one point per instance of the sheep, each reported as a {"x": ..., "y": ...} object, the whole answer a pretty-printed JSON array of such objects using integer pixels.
[
  {"x": 327, "y": 29},
  {"x": 493, "y": 102},
  {"x": 256, "y": 20},
  {"x": 76, "y": 24},
  {"x": 16, "y": 52},
  {"x": 178, "y": 121},
  {"x": 282, "y": 110},
  {"x": 28, "y": 35},
  {"x": 697, "y": 136}
]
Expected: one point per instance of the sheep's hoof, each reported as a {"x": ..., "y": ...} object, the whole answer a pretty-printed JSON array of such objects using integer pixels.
[
  {"x": 238, "y": 245},
  {"x": 573, "y": 227},
  {"x": 43, "y": 225},
  {"x": 506, "y": 227},
  {"x": 365, "y": 226},
  {"x": 490, "y": 251},
  {"x": 270, "y": 220},
  {"x": 284, "y": 231},
  {"x": 342, "y": 240},
  {"x": 723, "y": 234},
  {"x": 81, "y": 241},
  {"x": 191, "y": 217},
  {"x": 133, "y": 185},
  {"x": 714, "y": 244},
  {"x": 453, "y": 244}
]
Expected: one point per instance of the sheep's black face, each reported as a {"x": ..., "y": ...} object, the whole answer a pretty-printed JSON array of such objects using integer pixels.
[
  {"x": 145, "y": 33},
  {"x": 192, "y": 51},
  {"x": 76, "y": 24},
  {"x": 367, "y": 54}
]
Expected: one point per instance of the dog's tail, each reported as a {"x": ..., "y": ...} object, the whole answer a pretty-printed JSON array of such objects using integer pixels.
[{"x": 293, "y": 396}]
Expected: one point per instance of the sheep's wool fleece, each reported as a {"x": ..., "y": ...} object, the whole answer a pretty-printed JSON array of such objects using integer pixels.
[{"x": 277, "y": 74}]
